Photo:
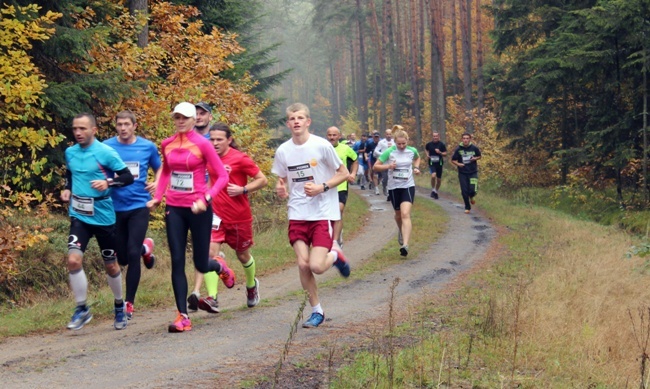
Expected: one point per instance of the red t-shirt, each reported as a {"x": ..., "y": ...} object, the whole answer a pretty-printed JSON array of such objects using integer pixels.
[{"x": 235, "y": 209}]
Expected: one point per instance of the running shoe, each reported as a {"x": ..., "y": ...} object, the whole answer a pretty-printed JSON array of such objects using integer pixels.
[
  {"x": 363, "y": 187},
  {"x": 376, "y": 191},
  {"x": 182, "y": 323},
  {"x": 120, "y": 318},
  {"x": 193, "y": 302},
  {"x": 400, "y": 239},
  {"x": 433, "y": 194},
  {"x": 80, "y": 318},
  {"x": 226, "y": 275},
  {"x": 129, "y": 310},
  {"x": 314, "y": 320},
  {"x": 467, "y": 211},
  {"x": 209, "y": 305},
  {"x": 341, "y": 263},
  {"x": 148, "y": 258},
  {"x": 253, "y": 294},
  {"x": 472, "y": 201},
  {"x": 404, "y": 251}
]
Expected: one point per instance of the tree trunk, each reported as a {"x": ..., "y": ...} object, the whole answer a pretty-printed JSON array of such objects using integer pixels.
[
  {"x": 480, "y": 90},
  {"x": 136, "y": 8},
  {"x": 363, "y": 86},
  {"x": 379, "y": 42},
  {"x": 646, "y": 186},
  {"x": 454, "y": 51},
  {"x": 466, "y": 34},
  {"x": 438, "y": 113},
  {"x": 394, "y": 70},
  {"x": 414, "y": 73},
  {"x": 333, "y": 90}
]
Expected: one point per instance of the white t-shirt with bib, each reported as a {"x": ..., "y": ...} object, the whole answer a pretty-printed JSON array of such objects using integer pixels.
[
  {"x": 402, "y": 175},
  {"x": 313, "y": 161}
]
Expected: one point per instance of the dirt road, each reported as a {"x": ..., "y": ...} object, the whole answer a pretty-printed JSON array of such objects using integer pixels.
[{"x": 222, "y": 350}]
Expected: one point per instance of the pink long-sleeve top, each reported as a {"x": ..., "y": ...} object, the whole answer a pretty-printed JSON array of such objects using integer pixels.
[{"x": 186, "y": 157}]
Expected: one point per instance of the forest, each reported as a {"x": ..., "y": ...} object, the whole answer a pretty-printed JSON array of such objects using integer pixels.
[{"x": 555, "y": 92}]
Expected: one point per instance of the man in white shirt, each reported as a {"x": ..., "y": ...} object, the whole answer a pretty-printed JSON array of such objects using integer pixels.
[{"x": 307, "y": 167}]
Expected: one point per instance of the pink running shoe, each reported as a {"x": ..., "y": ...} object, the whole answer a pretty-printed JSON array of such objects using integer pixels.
[
  {"x": 181, "y": 324},
  {"x": 226, "y": 275},
  {"x": 148, "y": 257}
]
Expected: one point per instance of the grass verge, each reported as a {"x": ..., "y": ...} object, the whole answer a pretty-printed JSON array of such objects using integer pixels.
[{"x": 555, "y": 306}]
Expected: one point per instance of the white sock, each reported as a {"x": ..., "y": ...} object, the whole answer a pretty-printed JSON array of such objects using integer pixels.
[
  {"x": 317, "y": 309},
  {"x": 336, "y": 255},
  {"x": 115, "y": 282},
  {"x": 79, "y": 286}
]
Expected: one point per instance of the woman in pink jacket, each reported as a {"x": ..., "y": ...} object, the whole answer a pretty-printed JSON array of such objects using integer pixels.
[{"x": 187, "y": 156}]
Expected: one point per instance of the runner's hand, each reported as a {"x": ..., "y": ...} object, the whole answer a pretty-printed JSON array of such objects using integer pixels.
[
  {"x": 281, "y": 189},
  {"x": 152, "y": 204},
  {"x": 151, "y": 187},
  {"x": 234, "y": 190},
  {"x": 65, "y": 195},
  {"x": 312, "y": 189},
  {"x": 100, "y": 185}
]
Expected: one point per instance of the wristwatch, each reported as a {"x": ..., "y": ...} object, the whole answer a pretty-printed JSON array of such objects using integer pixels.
[
  {"x": 325, "y": 187},
  {"x": 245, "y": 190},
  {"x": 208, "y": 199},
  {"x": 109, "y": 181}
]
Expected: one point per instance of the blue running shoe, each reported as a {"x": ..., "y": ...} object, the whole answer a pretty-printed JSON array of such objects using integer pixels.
[
  {"x": 314, "y": 320},
  {"x": 120, "y": 318},
  {"x": 341, "y": 263},
  {"x": 80, "y": 318}
]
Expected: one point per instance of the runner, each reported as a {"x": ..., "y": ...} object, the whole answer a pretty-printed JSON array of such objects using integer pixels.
[
  {"x": 232, "y": 221},
  {"x": 465, "y": 157},
  {"x": 130, "y": 203},
  {"x": 349, "y": 158},
  {"x": 202, "y": 126},
  {"x": 89, "y": 175},
  {"x": 371, "y": 143},
  {"x": 360, "y": 148},
  {"x": 203, "y": 119},
  {"x": 382, "y": 146},
  {"x": 307, "y": 167},
  {"x": 436, "y": 151},
  {"x": 401, "y": 161},
  {"x": 186, "y": 157}
]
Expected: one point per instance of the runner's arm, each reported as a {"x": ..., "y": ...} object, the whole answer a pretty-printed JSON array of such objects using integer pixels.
[{"x": 259, "y": 182}]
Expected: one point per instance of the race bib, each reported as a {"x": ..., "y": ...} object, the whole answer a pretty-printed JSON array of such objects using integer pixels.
[
  {"x": 435, "y": 158},
  {"x": 467, "y": 159},
  {"x": 401, "y": 174},
  {"x": 301, "y": 173},
  {"x": 134, "y": 168},
  {"x": 216, "y": 221},
  {"x": 182, "y": 181},
  {"x": 83, "y": 205}
]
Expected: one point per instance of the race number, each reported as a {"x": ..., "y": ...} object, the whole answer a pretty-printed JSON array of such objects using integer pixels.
[
  {"x": 182, "y": 181},
  {"x": 301, "y": 173},
  {"x": 83, "y": 205},
  {"x": 134, "y": 168},
  {"x": 401, "y": 174}
]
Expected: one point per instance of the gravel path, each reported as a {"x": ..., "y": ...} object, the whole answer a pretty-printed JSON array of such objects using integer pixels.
[{"x": 227, "y": 345}]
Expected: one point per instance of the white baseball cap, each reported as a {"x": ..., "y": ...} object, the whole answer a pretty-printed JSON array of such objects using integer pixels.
[{"x": 186, "y": 109}]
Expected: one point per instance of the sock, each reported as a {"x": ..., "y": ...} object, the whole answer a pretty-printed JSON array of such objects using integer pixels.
[
  {"x": 115, "y": 282},
  {"x": 79, "y": 286},
  {"x": 119, "y": 303},
  {"x": 336, "y": 256},
  {"x": 211, "y": 280},
  {"x": 249, "y": 270},
  {"x": 317, "y": 309}
]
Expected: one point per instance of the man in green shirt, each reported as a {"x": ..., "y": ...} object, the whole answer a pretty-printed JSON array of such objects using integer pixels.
[{"x": 349, "y": 159}]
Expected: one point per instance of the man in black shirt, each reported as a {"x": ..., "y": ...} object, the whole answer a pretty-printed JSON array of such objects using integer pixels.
[
  {"x": 436, "y": 151},
  {"x": 465, "y": 157}
]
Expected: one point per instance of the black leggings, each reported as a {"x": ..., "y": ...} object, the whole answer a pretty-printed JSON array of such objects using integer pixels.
[
  {"x": 468, "y": 187},
  {"x": 131, "y": 230},
  {"x": 178, "y": 221}
]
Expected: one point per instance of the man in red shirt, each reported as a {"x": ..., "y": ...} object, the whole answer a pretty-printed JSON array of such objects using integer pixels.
[{"x": 232, "y": 221}]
